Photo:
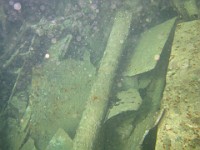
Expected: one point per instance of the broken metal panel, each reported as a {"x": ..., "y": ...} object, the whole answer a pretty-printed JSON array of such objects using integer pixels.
[
  {"x": 58, "y": 94},
  {"x": 60, "y": 141},
  {"x": 129, "y": 100},
  {"x": 149, "y": 48}
]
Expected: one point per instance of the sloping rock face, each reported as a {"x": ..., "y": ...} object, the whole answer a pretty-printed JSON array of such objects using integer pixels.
[{"x": 180, "y": 128}]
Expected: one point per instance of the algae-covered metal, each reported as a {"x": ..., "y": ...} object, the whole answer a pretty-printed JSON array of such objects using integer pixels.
[{"x": 150, "y": 46}]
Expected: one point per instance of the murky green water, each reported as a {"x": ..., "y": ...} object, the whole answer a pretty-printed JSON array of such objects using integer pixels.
[{"x": 99, "y": 75}]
